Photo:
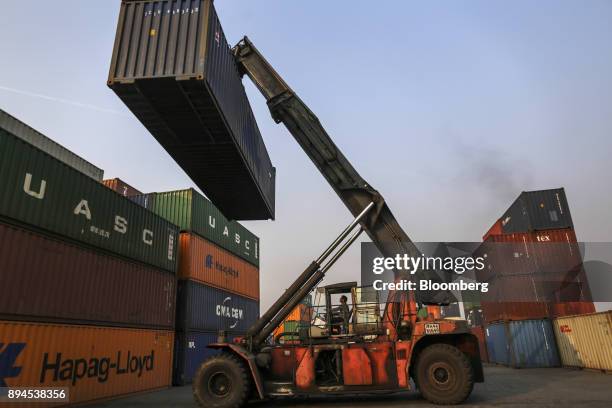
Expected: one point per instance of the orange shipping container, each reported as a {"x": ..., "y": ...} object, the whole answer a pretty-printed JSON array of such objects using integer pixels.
[
  {"x": 93, "y": 362},
  {"x": 205, "y": 262}
]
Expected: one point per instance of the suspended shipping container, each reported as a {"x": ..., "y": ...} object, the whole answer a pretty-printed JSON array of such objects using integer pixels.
[
  {"x": 202, "y": 307},
  {"x": 40, "y": 191},
  {"x": 193, "y": 213},
  {"x": 94, "y": 363},
  {"x": 24, "y": 132},
  {"x": 121, "y": 187},
  {"x": 585, "y": 341},
  {"x": 522, "y": 344},
  {"x": 191, "y": 350},
  {"x": 45, "y": 279},
  {"x": 536, "y": 211},
  {"x": 207, "y": 263},
  {"x": 173, "y": 68}
]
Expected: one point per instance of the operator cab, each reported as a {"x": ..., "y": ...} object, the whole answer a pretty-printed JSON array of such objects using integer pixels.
[{"x": 343, "y": 310}]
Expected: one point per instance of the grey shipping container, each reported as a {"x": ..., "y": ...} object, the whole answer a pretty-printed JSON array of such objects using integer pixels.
[
  {"x": 174, "y": 69},
  {"x": 191, "y": 350},
  {"x": 32, "y": 136},
  {"x": 523, "y": 343},
  {"x": 48, "y": 280},
  {"x": 40, "y": 191},
  {"x": 536, "y": 211},
  {"x": 202, "y": 307},
  {"x": 193, "y": 213}
]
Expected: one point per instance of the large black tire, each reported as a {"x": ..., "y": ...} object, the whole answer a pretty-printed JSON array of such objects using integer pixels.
[
  {"x": 222, "y": 381},
  {"x": 444, "y": 374}
]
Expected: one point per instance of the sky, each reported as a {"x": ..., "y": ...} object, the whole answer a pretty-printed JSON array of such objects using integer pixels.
[{"x": 449, "y": 109}]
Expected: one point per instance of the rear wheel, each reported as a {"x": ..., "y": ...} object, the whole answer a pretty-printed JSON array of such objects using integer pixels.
[
  {"x": 222, "y": 382},
  {"x": 444, "y": 374}
]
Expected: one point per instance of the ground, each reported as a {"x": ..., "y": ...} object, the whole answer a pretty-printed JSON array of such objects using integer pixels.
[{"x": 539, "y": 387}]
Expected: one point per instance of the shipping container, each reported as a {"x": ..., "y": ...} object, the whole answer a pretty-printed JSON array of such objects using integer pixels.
[
  {"x": 536, "y": 211},
  {"x": 93, "y": 363},
  {"x": 190, "y": 352},
  {"x": 205, "y": 262},
  {"x": 121, "y": 187},
  {"x": 193, "y": 213},
  {"x": 498, "y": 346},
  {"x": 173, "y": 68},
  {"x": 24, "y": 132},
  {"x": 522, "y": 344},
  {"x": 497, "y": 310},
  {"x": 45, "y": 279},
  {"x": 40, "y": 191},
  {"x": 479, "y": 332},
  {"x": 202, "y": 307},
  {"x": 496, "y": 229},
  {"x": 532, "y": 344},
  {"x": 585, "y": 341},
  {"x": 144, "y": 200}
]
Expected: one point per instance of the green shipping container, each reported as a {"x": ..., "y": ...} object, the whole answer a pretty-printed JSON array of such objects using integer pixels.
[
  {"x": 192, "y": 212},
  {"x": 41, "y": 191}
]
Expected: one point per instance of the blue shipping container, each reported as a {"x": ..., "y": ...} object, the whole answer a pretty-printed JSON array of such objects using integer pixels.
[
  {"x": 523, "y": 344},
  {"x": 190, "y": 350},
  {"x": 533, "y": 344},
  {"x": 202, "y": 307},
  {"x": 497, "y": 344}
]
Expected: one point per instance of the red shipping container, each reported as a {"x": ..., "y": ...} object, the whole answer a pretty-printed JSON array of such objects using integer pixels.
[
  {"x": 478, "y": 331},
  {"x": 121, "y": 187},
  {"x": 46, "y": 279}
]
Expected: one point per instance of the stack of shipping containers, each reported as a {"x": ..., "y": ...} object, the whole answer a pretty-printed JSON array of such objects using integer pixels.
[
  {"x": 87, "y": 300},
  {"x": 535, "y": 274},
  {"x": 299, "y": 319},
  {"x": 218, "y": 273}
]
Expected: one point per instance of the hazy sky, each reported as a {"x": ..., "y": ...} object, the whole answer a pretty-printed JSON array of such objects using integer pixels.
[{"x": 450, "y": 109}]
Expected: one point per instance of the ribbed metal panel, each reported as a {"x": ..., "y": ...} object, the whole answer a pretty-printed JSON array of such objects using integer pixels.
[
  {"x": 538, "y": 210},
  {"x": 190, "y": 351},
  {"x": 497, "y": 344},
  {"x": 585, "y": 341},
  {"x": 121, "y": 187},
  {"x": 173, "y": 68},
  {"x": 201, "y": 307},
  {"x": 95, "y": 363},
  {"x": 192, "y": 212},
  {"x": 45, "y": 279},
  {"x": 42, "y": 192},
  {"x": 532, "y": 344},
  {"x": 37, "y": 139},
  {"x": 205, "y": 262}
]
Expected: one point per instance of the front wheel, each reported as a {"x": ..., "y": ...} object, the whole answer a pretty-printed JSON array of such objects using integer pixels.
[
  {"x": 222, "y": 381},
  {"x": 444, "y": 374}
]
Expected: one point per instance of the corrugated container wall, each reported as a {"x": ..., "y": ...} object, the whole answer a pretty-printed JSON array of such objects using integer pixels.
[
  {"x": 192, "y": 212},
  {"x": 49, "y": 280},
  {"x": 93, "y": 362},
  {"x": 202, "y": 307},
  {"x": 205, "y": 262},
  {"x": 174, "y": 69},
  {"x": 121, "y": 187},
  {"x": 538, "y": 210},
  {"x": 38, "y": 190},
  {"x": 585, "y": 341},
  {"x": 522, "y": 344},
  {"x": 190, "y": 351},
  {"x": 532, "y": 344},
  {"x": 42, "y": 142},
  {"x": 498, "y": 346}
]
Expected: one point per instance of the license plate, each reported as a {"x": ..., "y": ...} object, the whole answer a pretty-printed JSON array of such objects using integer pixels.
[{"x": 432, "y": 328}]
